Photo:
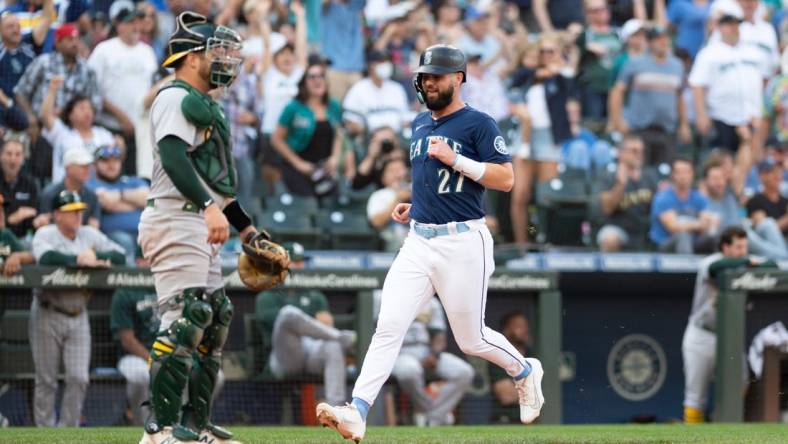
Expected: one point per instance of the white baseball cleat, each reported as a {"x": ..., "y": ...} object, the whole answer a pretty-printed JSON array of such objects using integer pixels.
[
  {"x": 162, "y": 437},
  {"x": 344, "y": 419},
  {"x": 530, "y": 391}
]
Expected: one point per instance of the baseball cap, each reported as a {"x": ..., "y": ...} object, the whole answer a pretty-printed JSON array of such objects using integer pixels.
[
  {"x": 105, "y": 152},
  {"x": 68, "y": 201},
  {"x": 473, "y": 13},
  {"x": 77, "y": 156},
  {"x": 295, "y": 250},
  {"x": 377, "y": 55},
  {"x": 727, "y": 11},
  {"x": 766, "y": 165},
  {"x": 631, "y": 27},
  {"x": 656, "y": 31},
  {"x": 317, "y": 59},
  {"x": 123, "y": 11},
  {"x": 66, "y": 30}
]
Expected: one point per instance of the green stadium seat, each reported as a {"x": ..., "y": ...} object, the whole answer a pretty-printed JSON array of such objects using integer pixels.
[
  {"x": 286, "y": 201},
  {"x": 291, "y": 225},
  {"x": 347, "y": 231}
]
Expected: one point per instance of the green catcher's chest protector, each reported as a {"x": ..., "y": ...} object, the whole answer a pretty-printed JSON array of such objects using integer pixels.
[{"x": 212, "y": 159}]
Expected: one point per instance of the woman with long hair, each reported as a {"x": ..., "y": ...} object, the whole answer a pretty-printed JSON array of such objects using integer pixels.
[
  {"x": 549, "y": 99},
  {"x": 73, "y": 129},
  {"x": 308, "y": 133}
]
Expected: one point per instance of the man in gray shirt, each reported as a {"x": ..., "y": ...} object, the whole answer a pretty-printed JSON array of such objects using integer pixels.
[
  {"x": 722, "y": 184},
  {"x": 59, "y": 329},
  {"x": 654, "y": 109}
]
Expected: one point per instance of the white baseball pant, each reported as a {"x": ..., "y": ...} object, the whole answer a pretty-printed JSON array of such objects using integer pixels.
[
  {"x": 699, "y": 350},
  {"x": 457, "y": 266}
]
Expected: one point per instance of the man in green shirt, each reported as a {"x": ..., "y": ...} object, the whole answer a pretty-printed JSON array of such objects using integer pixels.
[
  {"x": 12, "y": 252},
  {"x": 300, "y": 331},
  {"x": 134, "y": 321}
]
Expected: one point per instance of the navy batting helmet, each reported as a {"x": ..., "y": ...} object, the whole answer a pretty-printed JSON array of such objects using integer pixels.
[{"x": 439, "y": 59}]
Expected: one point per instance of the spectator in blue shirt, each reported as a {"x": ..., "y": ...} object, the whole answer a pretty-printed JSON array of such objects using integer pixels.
[
  {"x": 680, "y": 220},
  {"x": 689, "y": 18},
  {"x": 122, "y": 198},
  {"x": 342, "y": 40}
]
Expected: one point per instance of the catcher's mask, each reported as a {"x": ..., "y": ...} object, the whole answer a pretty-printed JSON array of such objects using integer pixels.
[{"x": 221, "y": 44}]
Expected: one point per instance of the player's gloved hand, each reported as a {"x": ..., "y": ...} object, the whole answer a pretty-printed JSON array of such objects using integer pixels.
[
  {"x": 263, "y": 263},
  {"x": 218, "y": 226}
]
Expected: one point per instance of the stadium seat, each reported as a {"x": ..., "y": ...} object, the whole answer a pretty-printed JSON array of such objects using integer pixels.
[
  {"x": 290, "y": 224},
  {"x": 347, "y": 231},
  {"x": 562, "y": 206},
  {"x": 286, "y": 201}
]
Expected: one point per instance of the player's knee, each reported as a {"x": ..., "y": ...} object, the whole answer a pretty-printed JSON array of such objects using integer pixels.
[
  {"x": 409, "y": 370},
  {"x": 465, "y": 373},
  {"x": 79, "y": 380},
  {"x": 196, "y": 309},
  {"x": 222, "y": 307},
  {"x": 289, "y": 313}
]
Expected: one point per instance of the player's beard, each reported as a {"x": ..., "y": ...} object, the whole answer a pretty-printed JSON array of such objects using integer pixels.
[{"x": 443, "y": 100}]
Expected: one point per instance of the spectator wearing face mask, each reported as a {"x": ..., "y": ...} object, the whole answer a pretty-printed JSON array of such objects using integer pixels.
[{"x": 376, "y": 100}]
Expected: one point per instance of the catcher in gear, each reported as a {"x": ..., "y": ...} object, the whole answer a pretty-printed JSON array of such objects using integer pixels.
[{"x": 190, "y": 209}]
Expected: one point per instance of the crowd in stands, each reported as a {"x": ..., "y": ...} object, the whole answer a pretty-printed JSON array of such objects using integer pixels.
[{"x": 665, "y": 118}]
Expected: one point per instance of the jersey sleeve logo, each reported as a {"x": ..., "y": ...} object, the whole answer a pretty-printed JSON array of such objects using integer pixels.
[{"x": 500, "y": 146}]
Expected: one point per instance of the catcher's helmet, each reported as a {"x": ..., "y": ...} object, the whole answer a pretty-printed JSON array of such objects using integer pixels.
[
  {"x": 439, "y": 59},
  {"x": 193, "y": 33}
]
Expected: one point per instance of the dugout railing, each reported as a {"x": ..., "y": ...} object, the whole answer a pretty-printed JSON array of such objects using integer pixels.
[
  {"x": 741, "y": 295},
  {"x": 544, "y": 284}
]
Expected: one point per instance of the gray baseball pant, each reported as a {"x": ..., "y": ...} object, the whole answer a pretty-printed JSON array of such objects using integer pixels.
[
  {"x": 409, "y": 372},
  {"x": 302, "y": 344},
  {"x": 55, "y": 337}
]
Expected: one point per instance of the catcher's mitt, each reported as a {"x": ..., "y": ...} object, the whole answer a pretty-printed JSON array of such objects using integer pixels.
[{"x": 263, "y": 263}]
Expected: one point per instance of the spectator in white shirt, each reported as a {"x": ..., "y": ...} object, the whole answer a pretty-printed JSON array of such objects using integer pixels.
[
  {"x": 727, "y": 84},
  {"x": 376, "y": 100},
  {"x": 124, "y": 68},
  {"x": 756, "y": 32},
  {"x": 74, "y": 129},
  {"x": 395, "y": 189},
  {"x": 281, "y": 68},
  {"x": 484, "y": 90}
]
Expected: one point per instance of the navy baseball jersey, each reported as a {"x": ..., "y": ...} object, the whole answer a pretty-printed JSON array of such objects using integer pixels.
[{"x": 440, "y": 194}]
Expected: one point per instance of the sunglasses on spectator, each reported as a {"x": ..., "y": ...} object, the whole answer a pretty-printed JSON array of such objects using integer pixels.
[
  {"x": 315, "y": 76},
  {"x": 547, "y": 51},
  {"x": 597, "y": 10},
  {"x": 107, "y": 151}
]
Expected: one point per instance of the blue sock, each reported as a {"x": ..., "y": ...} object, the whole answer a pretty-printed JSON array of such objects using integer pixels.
[
  {"x": 363, "y": 407},
  {"x": 526, "y": 371}
]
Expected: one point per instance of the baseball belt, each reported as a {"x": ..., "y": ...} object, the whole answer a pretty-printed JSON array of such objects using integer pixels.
[
  {"x": 70, "y": 313},
  {"x": 428, "y": 232},
  {"x": 188, "y": 206}
]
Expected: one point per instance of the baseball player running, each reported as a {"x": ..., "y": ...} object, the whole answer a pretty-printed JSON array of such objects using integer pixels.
[
  {"x": 456, "y": 152},
  {"x": 699, "y": 344},
  {"x": 190, "y": 208}
]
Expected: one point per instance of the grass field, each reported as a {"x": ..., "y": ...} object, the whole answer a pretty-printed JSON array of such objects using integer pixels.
[{"x": 713, "y": 434}]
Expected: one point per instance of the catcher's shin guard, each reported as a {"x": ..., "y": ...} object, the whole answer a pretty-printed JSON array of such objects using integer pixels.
[
  {"x": 171, "y": 362},
  {"x": 208, "y": 361}
]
